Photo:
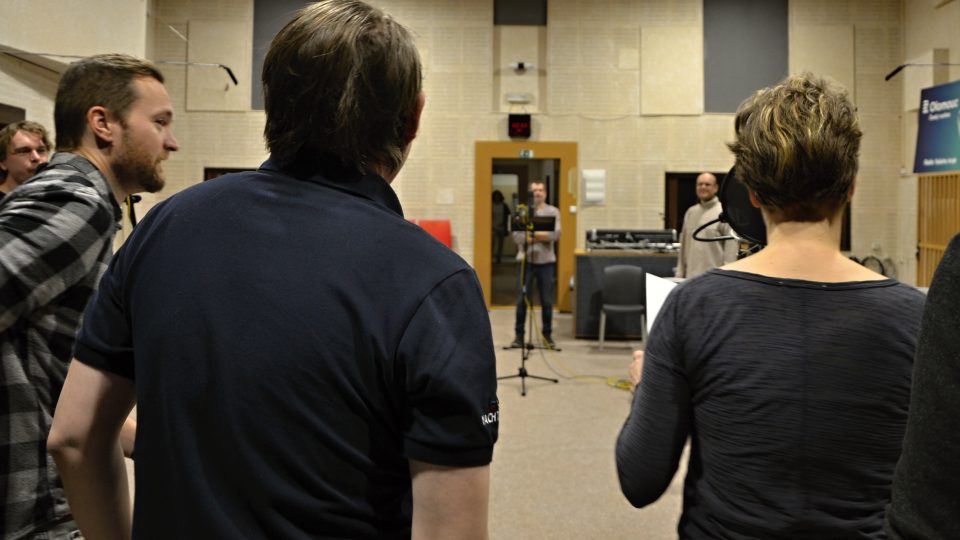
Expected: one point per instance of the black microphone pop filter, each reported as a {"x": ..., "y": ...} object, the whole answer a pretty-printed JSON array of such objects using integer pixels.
[{"x": 744, "y": 218}]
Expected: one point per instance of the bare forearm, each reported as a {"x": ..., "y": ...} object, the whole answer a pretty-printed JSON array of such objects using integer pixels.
[
  {"x": 85, "y": 442},
  {"x": 96, "y": 484},
  {"x": 544, "y": 237},
  {"x": 450, "y": 502},
  {"x": 128, "y": 436}
]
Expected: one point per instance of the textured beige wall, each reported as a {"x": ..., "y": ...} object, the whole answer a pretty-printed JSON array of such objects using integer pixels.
[
  {"x": 51, "y": 26},
  {"x": 74, "y": 28},
  {"x": 808, "y": 44},
  {"x": 213, "y": 131},
  {"x": 28, "y": 87},
  {"x": 589, "y": 90},
  {"x": 821, "y": 28}
]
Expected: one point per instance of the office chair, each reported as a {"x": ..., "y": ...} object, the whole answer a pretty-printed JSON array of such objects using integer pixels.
[{"x": 624, "y": 291}]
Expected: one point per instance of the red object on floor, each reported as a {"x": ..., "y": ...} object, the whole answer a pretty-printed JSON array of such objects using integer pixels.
[{"x": 438, "y": 228}]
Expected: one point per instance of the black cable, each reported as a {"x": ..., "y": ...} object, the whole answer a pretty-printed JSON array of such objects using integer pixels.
[
  {"x": 131, "y": 209},
  {"x": 712, "y": 239}
]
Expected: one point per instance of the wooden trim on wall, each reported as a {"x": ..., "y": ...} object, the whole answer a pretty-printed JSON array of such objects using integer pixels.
[{"x": 938, "y": 220}]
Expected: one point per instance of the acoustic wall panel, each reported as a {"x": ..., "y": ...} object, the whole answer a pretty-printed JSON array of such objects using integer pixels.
[
  {"x": 671, "y": 70},
  {"x": 825, "y": 50},
  {"x": 745, "y": 45}
]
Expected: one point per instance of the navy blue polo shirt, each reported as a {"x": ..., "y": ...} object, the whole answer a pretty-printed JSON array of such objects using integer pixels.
[{"x": 293, "y": 343}]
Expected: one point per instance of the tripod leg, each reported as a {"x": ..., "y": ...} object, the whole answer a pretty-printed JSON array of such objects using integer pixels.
[{"x": 603, "y": 326}]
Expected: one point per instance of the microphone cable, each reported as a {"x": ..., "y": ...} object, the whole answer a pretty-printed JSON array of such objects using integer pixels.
[{"x": 714, "y": 238}]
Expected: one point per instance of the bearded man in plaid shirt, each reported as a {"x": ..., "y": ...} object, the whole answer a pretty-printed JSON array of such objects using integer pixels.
[{"x": 113, "y": 128}]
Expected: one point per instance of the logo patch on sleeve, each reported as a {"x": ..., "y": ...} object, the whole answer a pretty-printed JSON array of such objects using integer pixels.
[{"x": 492, "y": 415}]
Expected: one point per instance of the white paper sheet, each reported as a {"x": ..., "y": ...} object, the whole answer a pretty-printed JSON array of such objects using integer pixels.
[{"x": 657, "y": 290}]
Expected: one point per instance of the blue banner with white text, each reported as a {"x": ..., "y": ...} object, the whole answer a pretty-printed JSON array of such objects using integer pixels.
[{"x": 938, "y": 133}]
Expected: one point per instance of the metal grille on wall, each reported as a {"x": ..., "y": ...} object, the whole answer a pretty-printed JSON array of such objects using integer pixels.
[{"x": 938, "y": 221}]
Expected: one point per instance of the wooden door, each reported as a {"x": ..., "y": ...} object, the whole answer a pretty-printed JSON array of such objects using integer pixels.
[{"x": 566, "y": 154}]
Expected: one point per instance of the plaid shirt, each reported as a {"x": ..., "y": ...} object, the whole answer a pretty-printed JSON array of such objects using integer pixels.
[{"x": 56, "y": 233}]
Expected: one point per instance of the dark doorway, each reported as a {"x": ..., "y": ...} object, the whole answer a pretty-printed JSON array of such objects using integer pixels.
[
  {"x": 681, "y": 194},
  {"x": 512, "y": 178},
  {"x": 10, "y": 114}
]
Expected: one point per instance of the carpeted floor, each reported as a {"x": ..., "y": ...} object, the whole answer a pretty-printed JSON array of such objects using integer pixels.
[{"x": 553, "y": 474}]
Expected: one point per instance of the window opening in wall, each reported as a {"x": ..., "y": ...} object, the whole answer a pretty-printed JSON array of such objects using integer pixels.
[
  {"x": 520, "y": 12},
  {"x": 269, "y": 17},
  {"x": 10, "y": 114},
  {"x": 681, "y": 193},
  {"x": 745, "y": 48}
]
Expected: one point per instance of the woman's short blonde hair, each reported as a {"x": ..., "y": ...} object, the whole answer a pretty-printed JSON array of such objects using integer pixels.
[{"x": 797, "y": 146}]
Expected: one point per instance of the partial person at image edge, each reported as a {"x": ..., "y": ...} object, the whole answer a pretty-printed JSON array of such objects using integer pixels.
[
  {"x": 112, "y": 117},
  {"x": 926, "y": 487}
]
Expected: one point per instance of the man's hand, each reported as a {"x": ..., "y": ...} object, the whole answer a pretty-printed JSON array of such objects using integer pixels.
[{"x": 636, "y": 369}]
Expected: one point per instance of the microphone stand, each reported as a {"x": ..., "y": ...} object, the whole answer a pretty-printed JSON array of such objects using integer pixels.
[{"x": 528, "y": 345}]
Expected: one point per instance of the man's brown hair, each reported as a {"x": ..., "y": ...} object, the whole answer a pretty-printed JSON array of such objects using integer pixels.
[
  {"x": 8, "y": 131},
  {"x": 341, "y": 83},
  {"x": 796, "y": 148},
  {"x": 105, "y": 80}
]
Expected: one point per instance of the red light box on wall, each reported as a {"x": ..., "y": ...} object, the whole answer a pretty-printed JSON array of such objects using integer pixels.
[{"x": 518, "y": 126}]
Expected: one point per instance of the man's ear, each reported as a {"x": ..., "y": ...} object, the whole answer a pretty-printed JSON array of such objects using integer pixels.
[
  {"x": 414, "y": 123},
  {"x": 101, "y": 124},
  {"x": 754, "y": 201}
]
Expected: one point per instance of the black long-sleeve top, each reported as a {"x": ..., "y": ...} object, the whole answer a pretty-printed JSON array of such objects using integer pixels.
[{"x": 794, "y": 395}]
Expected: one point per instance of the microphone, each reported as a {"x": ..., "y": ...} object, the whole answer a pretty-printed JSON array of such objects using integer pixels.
[
  {"x": 896, "y": 70},
  {"x": 899, "y": 68},
  {"x": 519, "y": 221}
]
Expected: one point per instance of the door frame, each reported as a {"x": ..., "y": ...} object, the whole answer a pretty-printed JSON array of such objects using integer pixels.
[{"x": 566, "y": 154}]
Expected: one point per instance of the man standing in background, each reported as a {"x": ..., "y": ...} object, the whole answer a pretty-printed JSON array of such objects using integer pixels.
[
  {"x": 697, "y": 257},
  {"x": 113, "y": 117},
  {"x": 540, "y": 263},
  {"x": 23, "y": 147}
]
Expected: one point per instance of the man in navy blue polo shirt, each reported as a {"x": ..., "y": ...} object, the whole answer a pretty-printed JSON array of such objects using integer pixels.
[{"x": 305, "y": 362}]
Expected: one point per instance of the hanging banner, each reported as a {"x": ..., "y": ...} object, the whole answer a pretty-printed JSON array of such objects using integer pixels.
[{"x": 938, "y": 133}]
